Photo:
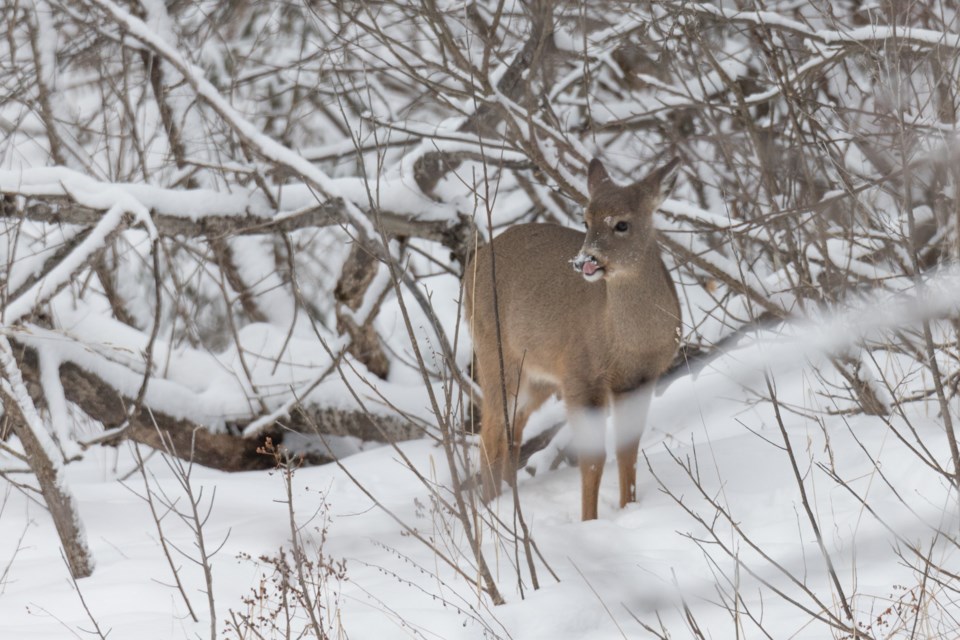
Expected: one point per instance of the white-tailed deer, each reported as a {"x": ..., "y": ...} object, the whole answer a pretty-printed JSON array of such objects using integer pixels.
[{"x": 600, "y": 332}]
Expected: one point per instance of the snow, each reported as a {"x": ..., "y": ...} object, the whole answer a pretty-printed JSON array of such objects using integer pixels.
[{"x": 636, "y": 562}]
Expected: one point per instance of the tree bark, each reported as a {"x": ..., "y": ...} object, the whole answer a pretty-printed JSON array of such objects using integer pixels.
[
  {"x": 357, "y": 274},
  {"x": 189, "y": 440},
  {"x": 60, "y": 503},
  {"x": 27, "y": 426}
]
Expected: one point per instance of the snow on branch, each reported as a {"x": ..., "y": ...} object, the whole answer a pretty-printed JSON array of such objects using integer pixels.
[
  {"x": 14, "y": 390},
  {"x": 858, "y": 35},
  {"x": 63, "y": 196},
  {"x": 61, "y": 275}
]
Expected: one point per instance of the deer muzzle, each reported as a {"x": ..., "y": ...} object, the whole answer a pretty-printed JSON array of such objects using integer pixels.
[{"x": 588, "y": 266}]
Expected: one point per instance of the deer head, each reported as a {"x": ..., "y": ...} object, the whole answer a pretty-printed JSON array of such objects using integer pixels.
[{"x": 619, "y": 221}]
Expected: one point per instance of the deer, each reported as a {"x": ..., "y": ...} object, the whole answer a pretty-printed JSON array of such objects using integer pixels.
[{"x": 592, "y": 316}]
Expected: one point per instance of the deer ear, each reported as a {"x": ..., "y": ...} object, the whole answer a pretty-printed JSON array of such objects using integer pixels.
[
  {"x": 667, "y": 175},
  {"x": 663, "y": 179},
  {"x": 597, "y": 176}
]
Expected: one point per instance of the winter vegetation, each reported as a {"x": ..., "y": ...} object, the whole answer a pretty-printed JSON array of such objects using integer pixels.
[{"x": 237, "y": 393}]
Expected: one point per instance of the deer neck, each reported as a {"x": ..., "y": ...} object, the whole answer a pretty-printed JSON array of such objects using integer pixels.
[
  {"x": 632, "y": 289},
  {"x": 632, "y": 297}
]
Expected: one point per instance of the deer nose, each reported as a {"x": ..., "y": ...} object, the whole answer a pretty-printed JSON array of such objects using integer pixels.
[
  {"x": 590, "y": 268},
  {"x": 589, "y": 265},
  {"x": 579, "y": 260}
]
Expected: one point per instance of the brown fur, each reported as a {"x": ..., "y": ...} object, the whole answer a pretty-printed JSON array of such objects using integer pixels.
[{"x": 590, "y": 341}]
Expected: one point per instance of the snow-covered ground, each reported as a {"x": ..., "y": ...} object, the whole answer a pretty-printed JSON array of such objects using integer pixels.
[{"x": 643, "y": 564}]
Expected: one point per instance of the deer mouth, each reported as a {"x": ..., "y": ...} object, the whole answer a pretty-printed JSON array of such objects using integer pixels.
[{"x": 589, "y": 267}]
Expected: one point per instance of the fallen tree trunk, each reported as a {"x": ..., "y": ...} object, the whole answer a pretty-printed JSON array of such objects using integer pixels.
[{"x": 226, "y": 451}]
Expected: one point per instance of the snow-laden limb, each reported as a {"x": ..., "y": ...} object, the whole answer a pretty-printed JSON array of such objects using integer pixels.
[
  {"x": 199, "y": 386},
  {"x": 56, "y": 402},
  {"x": 348, "y": 147},
  {"x": 858, "y": 35},
  {"x": 43, "y": 457},
  {"x": 794, "y": 76},
  {"x": 758, "y": 18},
  {"x": 61, "y": 275},
  {"x": 663, "y": 99},
  {"x": 79, "y": 188},
  {"x": 881, "y": 33},
  {"x": 60, "y": 195},
  {"x": 448, "y": 138},
  {"x": 150, "y": 426},
  {"x": 45, "y": 183},
  {"x": 16, "y": 391}
]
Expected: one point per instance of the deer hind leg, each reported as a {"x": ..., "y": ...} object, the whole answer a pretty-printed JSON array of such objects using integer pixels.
[
  {"x": 630, "y": 411},
  {"x": 531, "y": 396},
  {"x": 586, "y": 412},
  {"x": 498, "y": 459},
  {"x": 496, "y": 420},
  {"x": 493, "y": 440}
]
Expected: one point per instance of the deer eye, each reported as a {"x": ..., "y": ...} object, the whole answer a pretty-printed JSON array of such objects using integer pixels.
[{"x": 621, "y": 227}]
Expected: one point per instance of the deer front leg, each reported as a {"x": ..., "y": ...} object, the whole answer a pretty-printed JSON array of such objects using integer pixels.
[
  {"x": 627, "y": 468},
  {"x": 588, "y": 420},
  {"x": 591, "y": 471},
  {"x": 630, "y": 411}
]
